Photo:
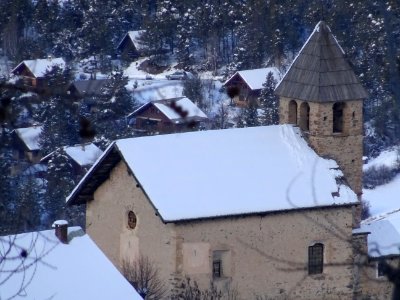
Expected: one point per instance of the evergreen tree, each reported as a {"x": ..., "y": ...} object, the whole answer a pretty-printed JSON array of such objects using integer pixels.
[
  {"x": 193, "y": 89},
  {"x": 60, "y": 126},
  {"x": 112, "y": 107},
  {"x": 251, "y": 114},
  {"x": 184, "y": 39},
  {"x": 269, "y": 102},
  {"x": 60, "y": 182},
  {"x": 6, "y": 195}
]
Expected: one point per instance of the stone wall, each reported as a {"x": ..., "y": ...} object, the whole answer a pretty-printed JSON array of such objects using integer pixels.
[
  {"x": 268, "y": 255},
  {"x": 107, "y": 224},
  {"x": 345, "y": 147}
]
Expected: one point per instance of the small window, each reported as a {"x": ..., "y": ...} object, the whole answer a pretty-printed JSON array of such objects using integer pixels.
[
  {"x": 380, "y": 266},
  {"x": 304, "y": 116},
  {"x": 337, "y": 111},
  {"x": 217, "y": 269},
  {"x": 315, "y": 259},
  {"x": 131, "y": 220}
]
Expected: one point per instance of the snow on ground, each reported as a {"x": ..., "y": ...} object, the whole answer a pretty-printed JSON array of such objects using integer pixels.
[
  {"x": 388, "y": 158},
  {"x": 384, "y": 198},
  {"x": 384, "y": 201},
  {"x": 147, "y": 90},
  {"x": 52, "y": 270},
  {"x": 384, "y": 234},
  {"x": 232, "y": 171}
]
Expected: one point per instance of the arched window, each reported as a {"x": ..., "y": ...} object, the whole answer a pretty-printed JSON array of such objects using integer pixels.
[
  {"x": 337, "y": 113},
  {"x": 131, "y": 220},
  {"x": 305, "y": 116},
  {"x": 315, "y": 259},
  {"x": 292, "y": 112}
]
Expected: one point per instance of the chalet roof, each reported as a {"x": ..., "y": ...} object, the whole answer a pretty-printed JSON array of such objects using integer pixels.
[
  {"x": 255, "y": 78},
  {"x": 223, "y": 172},
  {"x": 384, "y": 234},
  {"x": 39, "y": 67},
  {"x": 90, "y": 87},
  {"x": 83, "y": 154},
  {"x": 30, "y": 137},
  {"x": 134, "y": 37},
  {"x": 321, "y": 72},
  {"x": 177, "y": 110},
  {"x": 52, "y": 270}
]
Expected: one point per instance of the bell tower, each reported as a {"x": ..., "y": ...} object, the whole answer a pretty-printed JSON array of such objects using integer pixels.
[{"x": 321, "y": 94}]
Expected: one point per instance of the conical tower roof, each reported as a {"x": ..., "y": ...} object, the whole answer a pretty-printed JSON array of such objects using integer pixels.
[{"x": 320, "y": 72}]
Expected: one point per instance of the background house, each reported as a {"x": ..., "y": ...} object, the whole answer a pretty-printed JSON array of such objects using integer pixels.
[
  {"x": 168, "y": 115},
  {"x": 26, "y": 143},
  {"x": 130, "y": 46},
  {"x": 248, "y": 84},
  {"x": 32, "y": 72},
  {"x": 83, "y": 88},
  {"x": 45, "y": 268},
  {"x": 82, "y": 157}
]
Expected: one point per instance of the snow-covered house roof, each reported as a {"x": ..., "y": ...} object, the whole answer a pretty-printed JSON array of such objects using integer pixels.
[
  {"x": 39, "y": 67},
  {"x": 223, "y": 172},
  {"x": 48, "y": 269},
  {"x": 88, "y": 87},
  {"x": 134, "y": 36},
  {"x": 254, "y": 78},
  {"x": 321, "y": 72},
  {"x": 177, "y": 110},
  {"x": 30, "y": 137},
  {"x": 83, "y": 154},
  {"x": 384, "y": 234}
]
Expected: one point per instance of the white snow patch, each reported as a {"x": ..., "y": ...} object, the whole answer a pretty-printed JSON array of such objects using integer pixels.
[
  {"x": 39, "y": 67},
  {"x": 255, "y": 78},
  {"x": 384, "y": 237},
  {"x": 185, "y": 104},
  {"x": 78, "y": 270},
  {"x": 84, "y": 155},
  {"x": 30, "y": 136},
  {"x": 384, "y": 198},
  {"x": 388, "y": 158}
]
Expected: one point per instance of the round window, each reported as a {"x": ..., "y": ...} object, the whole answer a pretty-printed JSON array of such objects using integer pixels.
[{"x": 131, "y": 220}]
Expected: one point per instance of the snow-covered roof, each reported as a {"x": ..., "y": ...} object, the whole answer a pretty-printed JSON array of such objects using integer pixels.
[
  {"x": 39, "y": 67},
  {"x": 85, "y": 154},
  {"x": 134, "y": 37},
  {"x": 182, "y": 104},
  {"x": 52, "y": 270},
  {"x": 30, "y": 136},
  {"x": 82, "y": 154},
  {"x": 256, "y": 78},
  {"x": 384, "y": 234},
  {"x": 228, "y": 172}
]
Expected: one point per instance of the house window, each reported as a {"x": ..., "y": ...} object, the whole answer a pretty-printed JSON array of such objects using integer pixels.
[
  {"x": 131, "y": 220},
  {"x": 217, "y": 268},
  {"x": 380, "y": 266},
  {"x": 315, "y": 259}
]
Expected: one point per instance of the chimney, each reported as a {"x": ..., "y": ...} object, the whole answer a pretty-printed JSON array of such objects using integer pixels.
[{"x": 61, "y": 230}]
